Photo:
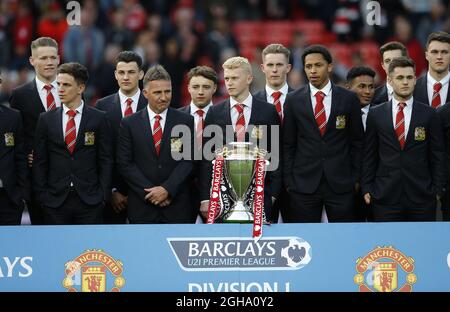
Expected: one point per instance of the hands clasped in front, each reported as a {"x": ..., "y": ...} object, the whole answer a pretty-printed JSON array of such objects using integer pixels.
[{"x": 158, "y": 195}]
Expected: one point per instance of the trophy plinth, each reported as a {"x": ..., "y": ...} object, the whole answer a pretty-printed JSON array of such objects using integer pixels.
[{"x": 238, "y": 214}]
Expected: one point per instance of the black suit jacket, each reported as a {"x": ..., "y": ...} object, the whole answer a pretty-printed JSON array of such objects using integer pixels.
[
  {"x": 89, "y": 168},
  {"x": 380, "y": 96},
  {"x": 262, "y": 113},
  {"x": 421, "y": 93},
  {"x": 307, "y": 155},
  {"x": 26, "y": 99},
  {"x": 13, "y": 157},
  {"x": 142, "y": 168},
  {"x": 417, "y": 170},
  {"x": 111, "y": 105}
]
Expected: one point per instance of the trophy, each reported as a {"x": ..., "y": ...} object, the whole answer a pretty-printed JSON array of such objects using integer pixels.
[{"x": 237, "y": 186}]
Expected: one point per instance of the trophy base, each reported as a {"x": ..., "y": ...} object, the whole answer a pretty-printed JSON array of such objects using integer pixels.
[{"x": 238, "y": 215}]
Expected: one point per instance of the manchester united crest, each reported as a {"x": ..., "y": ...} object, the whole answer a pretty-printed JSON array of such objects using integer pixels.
[
  {"x": 385, "y": 269},
  {"x": 93, "y": 271}
]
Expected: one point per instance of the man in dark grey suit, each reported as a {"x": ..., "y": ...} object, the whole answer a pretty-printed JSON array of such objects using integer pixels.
[
  {"x": 433, "y": 87},
  {"x": 322, "y": 137},
  {"x": 125, "y": 102},
  {"x": 404, "y": 165}
]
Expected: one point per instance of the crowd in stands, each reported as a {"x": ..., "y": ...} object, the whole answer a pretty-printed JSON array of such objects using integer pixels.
[{"x": 180, "y": 34}]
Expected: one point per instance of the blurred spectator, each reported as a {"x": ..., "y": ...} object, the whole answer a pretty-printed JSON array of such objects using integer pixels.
[
  {"x": 219, "y": 38},
  {"x": 84, "y": 44},
  {"x": 176, "y": 67},
  {"x": 404, "y": 34},
  {"x": 135, "y": 15},
  {"x": 23, "y": 26},
  {"x": 259, "y": 79},
  {"x": 53, "y": 24},
  {"x": 438, "y": 20},
  {"x": 105, "y": 74},
  {"x": 117, "y": 33}
]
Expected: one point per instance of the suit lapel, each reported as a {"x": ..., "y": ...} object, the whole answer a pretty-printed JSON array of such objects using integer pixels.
[
  {"x": 84, "y": 120},
  {"x": 390, "y": 124},
  {"x": 147, "y": 130},
  {"x": 412, "y": 125},
  {"x": 117, "y": 110},
  {"x": 169, "y": 124},
  {"x": 35, "y": 100},
  {"x": 334, "y": 104},
  {"x": 60, "y": 128}
]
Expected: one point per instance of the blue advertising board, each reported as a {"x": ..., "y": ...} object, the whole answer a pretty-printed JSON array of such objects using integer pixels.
[{"x": 347, "y": 257}]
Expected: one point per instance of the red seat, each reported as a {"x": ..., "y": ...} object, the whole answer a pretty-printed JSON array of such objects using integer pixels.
[
  {"x": 342, "y": 53},
  {"x": 309, "y": 26}
]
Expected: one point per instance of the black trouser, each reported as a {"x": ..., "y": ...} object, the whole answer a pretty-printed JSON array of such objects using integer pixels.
[
  {"x": 110, "y": 216},
  {"x": 363, "y": 212},
  {"x": 308, "y": 207},
  {"x": 10, "y": 213},
  {"x": 405, "y": 210},
  {"x": 446, "y": 206},
  {"x": 73, "y": 211}
]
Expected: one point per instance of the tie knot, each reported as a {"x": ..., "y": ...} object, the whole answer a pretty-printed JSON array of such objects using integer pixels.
[
  {"x": 437, "y": 86},
  {"x": 158, "y": 117},
  {"x": 239, "y": 108},
  {"x": 319, "y": 95},
  {"x": 71, "y": 113},
  {"x": 200, "y": 113},
  {"x": 276, "y": 95},
  {"x": 401, "y": 105},
  {"x": 129, "y": 101},
  {"x": 48, "y": 87}
]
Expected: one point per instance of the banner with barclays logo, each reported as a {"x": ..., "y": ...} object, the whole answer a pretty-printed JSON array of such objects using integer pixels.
[{"x": 382, "y": 257}]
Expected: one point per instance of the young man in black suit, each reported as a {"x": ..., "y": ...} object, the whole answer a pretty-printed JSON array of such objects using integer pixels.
[
  {"x": 202, "y": 85},
  {"x": 125, "y": 102},
  {"x": 322, "y": 137},
  {"x": 361, "y": 80},
  {"x": 388, "y": 52},
  {"x": 240, "y": 113},
  {"x": 72, "y": 167},
  {"x": 403, "y": 168},
  {"x": 33, "y": 98},
  {"x": 13, "y": 167},
  {"x": 159, "y": 185},
  {"x": 276, "y": 67},
  {"x": 433, "y": 87}
]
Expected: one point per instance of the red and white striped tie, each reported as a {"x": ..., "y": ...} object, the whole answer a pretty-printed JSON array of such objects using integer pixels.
[
  {"x": 400, "y": 125},
  {"x": 240, "y": 123},
  {"x": 70, "y": 135},
  {"x": 319, "y": 112},
  {"x": 436, "y": 100},
  {"x": 128, "y": 109},
  {"x": 51, "y": 104},
  {"x": 199, "y": 128},
  {"x": 157, "y": 134},
  {"x": 277, "y": 102}
]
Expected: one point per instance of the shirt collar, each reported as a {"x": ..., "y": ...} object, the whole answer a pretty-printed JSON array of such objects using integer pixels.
[
  {"x": 284, "y": 90},
  {"x": 247, "y": 102},
  {"x": 194, "y": 108},
  {"x": 326, "y": 90},
  {"x": 152, "y": 114},
  {"x": 134, "y": 97},
  {"x": 443, "y": 81},
  {"x": 79, "y": 109},
  {"x": 409, "y": 103},
  {"x": 365, "y": 109},
  {"x": 40, "y": 84}
]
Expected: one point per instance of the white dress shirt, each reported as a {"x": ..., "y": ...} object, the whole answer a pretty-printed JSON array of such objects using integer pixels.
[
  {"x": 247, "y": 110},
  {"x": 284, "y": 91},
  {"x": 43, "y": 93},
  {"x": 444, "y": 90},
  {"x": 77, "y": 118},
  {"x": 123, "y": 101},
  {"x": 194, "y": 114},
  {"x": 152, "y": 114},
  {"x": 326, "y": 100},
  {"x": 407, "y": 111},
  {"x": 364, "y": 113}
]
